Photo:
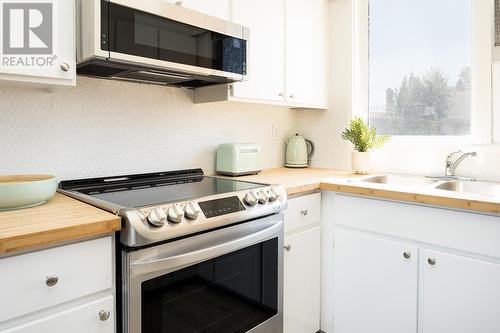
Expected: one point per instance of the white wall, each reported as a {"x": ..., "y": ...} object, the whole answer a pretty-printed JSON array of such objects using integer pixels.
[
  {"x": 103, "y": 128},
  {"x": 324, "y": 127}
]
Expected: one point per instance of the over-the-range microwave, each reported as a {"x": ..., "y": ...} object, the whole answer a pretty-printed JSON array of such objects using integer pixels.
[{"x": 153, "y": 41}]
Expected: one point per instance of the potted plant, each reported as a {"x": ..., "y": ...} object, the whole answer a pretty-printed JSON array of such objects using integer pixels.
[{"x": 364, "y": 138}]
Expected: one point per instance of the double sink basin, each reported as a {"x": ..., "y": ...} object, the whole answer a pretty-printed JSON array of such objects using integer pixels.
[{"x": 486, "y": 189}]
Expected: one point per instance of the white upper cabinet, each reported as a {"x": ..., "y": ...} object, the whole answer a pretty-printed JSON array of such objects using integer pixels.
[
  {"x": 306, "y": 53},
  {"x": 40, "y": 50},
  {"x": 459, "y": 294},
  {"x": 286, "y": 58},
  {"x": 265, "y": 19},
  {"x": 217, "y": 8}
]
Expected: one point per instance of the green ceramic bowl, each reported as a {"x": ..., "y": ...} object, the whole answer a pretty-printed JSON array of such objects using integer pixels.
[{"x": 25, "y": 191}]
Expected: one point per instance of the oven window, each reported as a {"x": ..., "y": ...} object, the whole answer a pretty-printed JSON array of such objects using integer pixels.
[
  {"x": 138, "y": 33},
  {"x": 229, "y": 294}
]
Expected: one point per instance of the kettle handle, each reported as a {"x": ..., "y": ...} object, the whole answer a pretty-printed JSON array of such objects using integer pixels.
[{"x": 310, "y": 149}]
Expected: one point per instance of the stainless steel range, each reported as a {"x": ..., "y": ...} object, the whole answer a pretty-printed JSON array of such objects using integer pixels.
[{"x": 198, "y": 254}]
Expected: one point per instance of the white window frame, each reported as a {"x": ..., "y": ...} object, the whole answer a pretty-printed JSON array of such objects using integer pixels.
[{"x": 482, "y": 56}]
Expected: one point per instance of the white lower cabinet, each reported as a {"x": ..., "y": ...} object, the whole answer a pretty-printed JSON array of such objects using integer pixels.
[
  {"x": 302, "y": 265},
  {"x": 86, "y": 318},
  {"x": 375, "y": 285},
  {"x": 459, "y": 294},
  {"x": 64, "y": 289},
  {"x": 400, "y": 268},
  {"x": 302, "y": 282}
]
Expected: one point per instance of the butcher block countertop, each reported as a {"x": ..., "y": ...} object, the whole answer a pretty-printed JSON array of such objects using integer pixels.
[
  {"x": 303, "y": 181},
  {"x": 297, "y": 181},
  {"x": 59, "y": 220}
]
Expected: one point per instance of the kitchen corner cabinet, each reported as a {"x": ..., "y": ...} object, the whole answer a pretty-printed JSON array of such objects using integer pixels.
[
  {"x": 287, "y": 55},
  {"x": 301, "y": 296},
  {"x": 217, "y": 8},
  {"x": 57, "y": 68},
  {"x": 407, "y": 268},
  {"x": 306, "y": 53}
]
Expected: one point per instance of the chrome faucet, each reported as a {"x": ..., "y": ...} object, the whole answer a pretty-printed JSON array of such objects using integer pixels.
[{"x": 452, "y": 164}]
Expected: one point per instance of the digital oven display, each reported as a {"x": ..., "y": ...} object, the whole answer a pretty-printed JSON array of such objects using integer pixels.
[{"x": 222, "y": 206}]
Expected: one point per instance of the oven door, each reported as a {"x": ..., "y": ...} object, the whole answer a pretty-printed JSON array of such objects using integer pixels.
[{"x": 224, "y": 281}]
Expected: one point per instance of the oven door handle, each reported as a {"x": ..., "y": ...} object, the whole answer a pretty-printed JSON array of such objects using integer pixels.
[{"x": 203, "y": 247}]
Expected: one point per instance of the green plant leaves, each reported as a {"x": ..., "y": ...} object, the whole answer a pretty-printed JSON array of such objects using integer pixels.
[{"x": 362, "y": 136}]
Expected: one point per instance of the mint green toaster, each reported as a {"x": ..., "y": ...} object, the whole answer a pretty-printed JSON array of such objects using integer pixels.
[{"x": 238, "y": 159}]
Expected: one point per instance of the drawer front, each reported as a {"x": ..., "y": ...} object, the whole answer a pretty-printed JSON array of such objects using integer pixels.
[
  {"x": 80, "y": 269},
  {"x": 85, "y": 318},
  {"x": 303, "y": 211}
]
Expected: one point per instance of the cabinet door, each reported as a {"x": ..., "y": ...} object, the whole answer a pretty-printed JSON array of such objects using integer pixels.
[
  {"x": 302, "y": 282},
  {"x": 41, "y": 57},
  {"x": 265, "y": 80},
  {"x": 375, "y": 285},
  {"x": 217, "y": 8},
  {"x": 306, "y": 52},
  {"x": 459, "y": 294},
  {"x": 84, "y": 318}
]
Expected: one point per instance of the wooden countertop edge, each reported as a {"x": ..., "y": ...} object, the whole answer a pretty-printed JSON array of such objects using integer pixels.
[
  {"x": 465, "y": 204},
  {"x": 33, "y": 240}
]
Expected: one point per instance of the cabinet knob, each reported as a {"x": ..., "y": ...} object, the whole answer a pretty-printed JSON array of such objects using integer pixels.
[
  {"x": 407, "y": 255},
  {"x": 292, "y": 96},
  {"x": 178, "y": 2},
  {"x": 104, "y": 315},
  {"x": 51, "y": 280},
  {"x": 431, "y": 261},
  {"x": 287, "y": 248},
  {"x": 304, "y": 212},
  {"x": 65, "y": 67},
  {"x": 281, "y": 94}
]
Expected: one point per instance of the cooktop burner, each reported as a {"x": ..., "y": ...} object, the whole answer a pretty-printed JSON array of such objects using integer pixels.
[{"x": 164, "y": 205}]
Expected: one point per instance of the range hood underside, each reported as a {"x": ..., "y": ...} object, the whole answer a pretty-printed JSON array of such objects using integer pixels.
[{"x": 112, "y": 70}]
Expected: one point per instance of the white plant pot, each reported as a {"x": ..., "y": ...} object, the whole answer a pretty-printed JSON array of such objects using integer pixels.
[{"x": 361, "y": 162}]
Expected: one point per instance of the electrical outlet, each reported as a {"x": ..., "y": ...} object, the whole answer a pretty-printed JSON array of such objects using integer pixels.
[{"x": 274, "y": 133}]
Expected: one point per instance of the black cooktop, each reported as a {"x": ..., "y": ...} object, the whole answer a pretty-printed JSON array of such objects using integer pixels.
[{"x": 150, "y": 189}]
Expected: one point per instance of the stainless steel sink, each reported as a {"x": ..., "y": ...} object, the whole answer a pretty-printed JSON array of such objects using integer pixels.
[
  {"x": 403, "y": 180},
  {"x": 472, "y": 187}
]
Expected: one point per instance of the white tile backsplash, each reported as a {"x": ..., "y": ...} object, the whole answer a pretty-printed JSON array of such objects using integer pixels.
[{"x": 101, "y": 128}]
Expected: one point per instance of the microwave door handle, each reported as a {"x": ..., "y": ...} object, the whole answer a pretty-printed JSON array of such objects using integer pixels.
[{"x": 174, "y": 262}]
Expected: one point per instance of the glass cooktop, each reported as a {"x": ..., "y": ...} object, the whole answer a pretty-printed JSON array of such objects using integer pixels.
[
  {"x": 151, "y": 189},
  {"x": 149, "y": 196}
]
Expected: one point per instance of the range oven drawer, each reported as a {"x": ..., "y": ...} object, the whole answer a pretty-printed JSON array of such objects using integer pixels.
[{"x": 225, "y": 281}]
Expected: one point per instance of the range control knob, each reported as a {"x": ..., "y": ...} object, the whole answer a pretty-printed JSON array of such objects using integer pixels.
[
  {"x": 157, "y": 217},
  {"x": 175, "y": 213},
  {"x": 251, "y": 199},
  {"x": 263, "y": 196},
  {"x": 191, "y": 210},
  {"x": 273, "y": 194}
]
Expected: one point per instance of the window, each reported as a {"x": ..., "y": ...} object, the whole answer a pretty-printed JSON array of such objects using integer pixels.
[{"x": 420, "y": 60}]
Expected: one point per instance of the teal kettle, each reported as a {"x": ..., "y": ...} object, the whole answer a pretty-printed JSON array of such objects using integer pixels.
[{"x": 298, "y": 151}]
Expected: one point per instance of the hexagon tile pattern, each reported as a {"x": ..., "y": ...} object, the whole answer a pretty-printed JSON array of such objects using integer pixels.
[{"x": 103, "y": 128}]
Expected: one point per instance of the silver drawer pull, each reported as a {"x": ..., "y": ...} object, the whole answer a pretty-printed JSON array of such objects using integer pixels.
[
  {"x": 287, "y": 248},
  {"x": 407, "y": 255},
  {"x": 51, "y": 280},
  {"x": 431, "y": 261},
  {"x": 304, "y": 212},
  {"x": 104, "y": 315}
]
